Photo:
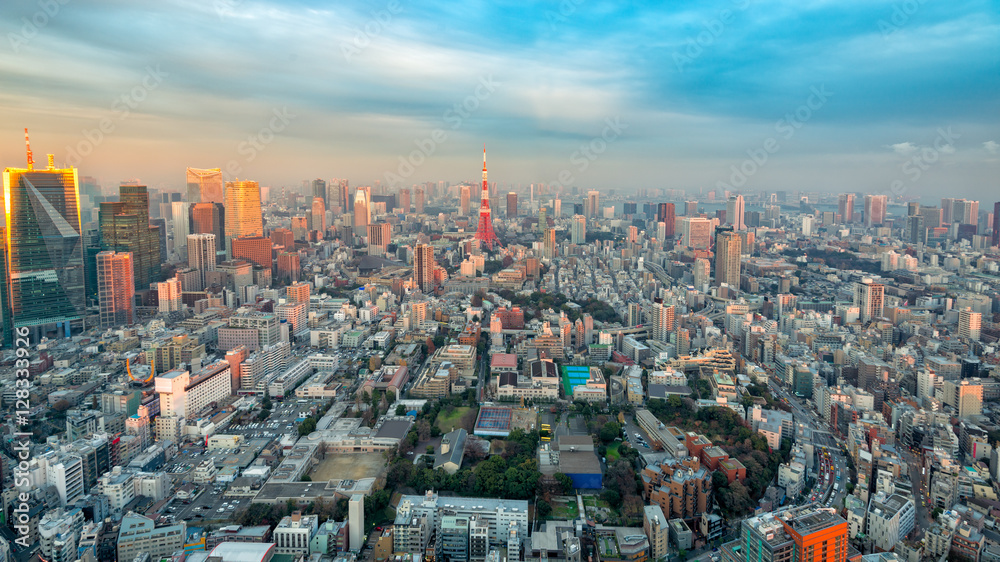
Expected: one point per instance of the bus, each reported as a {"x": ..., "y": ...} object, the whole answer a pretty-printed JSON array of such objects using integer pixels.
[{"x": 546, "y": 431}]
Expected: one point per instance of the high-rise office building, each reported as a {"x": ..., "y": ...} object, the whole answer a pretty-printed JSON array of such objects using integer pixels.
[
  {"x": 42, "y": 262},
  {"x": 964, "y": 211},
  {"x": 727, "y": 257},
  {"x": 379, "y": 235},
  {"x": 362, "y": 211},
  {"x": 283, "y": 237},
  {"x": 201, "y": 253},
  {"x": 578, "y": 230},
  {"x": 299, "y": 228},
  {"x": 969, "y": 324},
  {"x": 209, "y": 218},
  {"x": 511, "y": 205},
  {"x": 875, "y": 206},
  {"x": 404, "y": 200},
  {"x": 421, "y": 199},
  {"x": 996, "y": 224},
  {"x": 915, "y": 233},
  {"x": 465, "y": 193},
  {"x": 289, "y": 267},
  {"x": 593, "y": 204},
  {"x": 735, "y": 212},
  {"x": 845, "y": 207},
  {"x": 870, "y": 298},
  {"x": 696, "y": 232},
  {"x": 423, "y": 267},
  {"x": 181, "y": 226},
  {"x": 690, "y": 208},
  {"x": 318, "y": 215},
  {"x": 243, "y": 211},
  {"x": 666, "y": 213},
  {"x": 115, "y": 289},
  {"x": 204, "y": 185},
  {"x": 343, "y": 191},
  {"x": 125, "y": 228},
  {"x": 319, "y": 190}
]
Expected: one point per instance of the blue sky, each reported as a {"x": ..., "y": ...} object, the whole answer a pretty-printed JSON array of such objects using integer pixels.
[{"x": 284, "y": 91}]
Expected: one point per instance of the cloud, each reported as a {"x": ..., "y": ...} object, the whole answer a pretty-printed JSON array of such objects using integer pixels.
[
  {"x": 992, "y": 147},
  {"x": 904, "y": 148}
]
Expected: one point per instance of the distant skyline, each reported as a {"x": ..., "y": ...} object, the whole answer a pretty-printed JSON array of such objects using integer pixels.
[{"x": 861, "y": 96}]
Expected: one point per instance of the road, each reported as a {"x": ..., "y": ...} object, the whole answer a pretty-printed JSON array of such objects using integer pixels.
[{"x": 924, "y": 520}]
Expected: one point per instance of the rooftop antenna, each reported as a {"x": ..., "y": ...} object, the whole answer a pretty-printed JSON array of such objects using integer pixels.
[{"x": 27, "y": 146}]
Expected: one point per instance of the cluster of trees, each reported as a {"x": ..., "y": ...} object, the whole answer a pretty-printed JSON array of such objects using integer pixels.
[
  {"x": 838, "y": 260},
  {"x": 271, "y": 514},
  {"x": 513, "y": 473},
  {"x": 622, "y": 491}
]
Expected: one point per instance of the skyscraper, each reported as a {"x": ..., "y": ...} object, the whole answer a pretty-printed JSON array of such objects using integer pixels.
[
  {"x": 593, "y": 202},
  {"x": 696, "y": 232},
  {"x": 578, "y": 230},
  {"x": 875, "y": 210},
  {"x": 964, "y": 211},
  {"x": 318, "y": 214},
  {"x": 362, "y": 211},
  {"x": 204, "y": 186},
  {"x": 511, "y": 205},
  {"x": 870, "y": 298},
  {"x": 181, "y": 227},
  {"x": 115, "y": 289},
  {"x": 802, "y": 534},
  {"x": 243, "y": 212},
  {"x": 690, "y": 208},
  {"x": 201, "y": 253},
  {"x": 996, "y": 224},
  {"x": 319, "y": 190},
  {"x": 735, "y": 212},
  {"x": 727, "y": 257},
  {"x": 43, "y": 251},
  {"x": 421, "y": 199},
  {"x": 343, "y": 190},
  {"x": 209, "y": 218},
  {"x": 845, "y": 207},
  {"x": 549, "y": 243},
  {"x": 379, "y": 235},
  {"x": 666, "y": 213},
  {"x": 404, "y": 200},
  {"x": 125, "y": 228},
  {"x": 464, "y": 195},
  {"x": 423, "y": 267},
  {"x": 662, "y": 320}
]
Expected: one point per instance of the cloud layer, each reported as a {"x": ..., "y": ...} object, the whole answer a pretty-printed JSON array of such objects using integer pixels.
[{"x": 370, "y": 83}]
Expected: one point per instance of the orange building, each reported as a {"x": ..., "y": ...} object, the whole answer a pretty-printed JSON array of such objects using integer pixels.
[
  {"x": 283, "y": 237},
  {"x": 810, "y": 533},
  {"x": 289, "y": 267},
  {"x": 255, "y": 249}
]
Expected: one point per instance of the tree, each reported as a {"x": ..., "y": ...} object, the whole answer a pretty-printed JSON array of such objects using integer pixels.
[
  {"x": 430, "y": 449},
  {"x": 400, "y": 410},
  {"x": 610, "y": 431},
  {"x": 305, "y": 478},
  {"x": 542, "y": 509},
  {"x": 565, "y": 483},
  {"x": 468, "y": 420}
]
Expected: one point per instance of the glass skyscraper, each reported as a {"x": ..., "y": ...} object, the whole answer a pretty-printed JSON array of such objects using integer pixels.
[{"x": 43, "y": 252}]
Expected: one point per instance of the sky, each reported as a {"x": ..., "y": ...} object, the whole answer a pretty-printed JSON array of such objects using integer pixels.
[{"x": 896, "y": 97}]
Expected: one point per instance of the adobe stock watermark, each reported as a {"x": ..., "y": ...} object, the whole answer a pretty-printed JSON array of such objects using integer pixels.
[
  {"x": 363, "y": 36},
  {"x": 30, "y": 26},
  {"x": 581, "y": 158},
  {"x": 21, "y": 514},
  {"x": 695, "y": 46},
  {"x": 454, "y": 117},
  {"x": 257, "y": 142},
  {"x": 786, "y": 127},
  {"x": 565, "y": 9},
  {"x": 901, "y": 14},
  {"x": 121, "y": 108},
  {"x": 919, "y": 160}
]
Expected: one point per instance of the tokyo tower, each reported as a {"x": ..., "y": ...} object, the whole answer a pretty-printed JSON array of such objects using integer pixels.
[{"x": 485, "y": 233}]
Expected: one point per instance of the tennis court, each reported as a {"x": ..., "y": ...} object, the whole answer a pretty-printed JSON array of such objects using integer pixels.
[
  {"x": 494, "y": 421},
  {"x": 573, "y": 376}
]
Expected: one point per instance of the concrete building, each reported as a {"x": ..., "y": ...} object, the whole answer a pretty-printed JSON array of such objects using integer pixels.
[
  {"x": 655, "y": 524},
  {"x": 356, "y": 521},
  {"x": 294, "y": 533},
  {"x": 890, "y": 518},
  {"x": 140, "y": 535}
]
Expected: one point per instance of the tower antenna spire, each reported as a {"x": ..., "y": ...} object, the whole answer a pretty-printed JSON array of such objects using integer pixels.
[{"x": 31, "y": 159}]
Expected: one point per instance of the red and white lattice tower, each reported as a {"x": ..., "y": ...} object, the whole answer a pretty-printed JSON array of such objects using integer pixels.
[{"x": 485, "y": 234}]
